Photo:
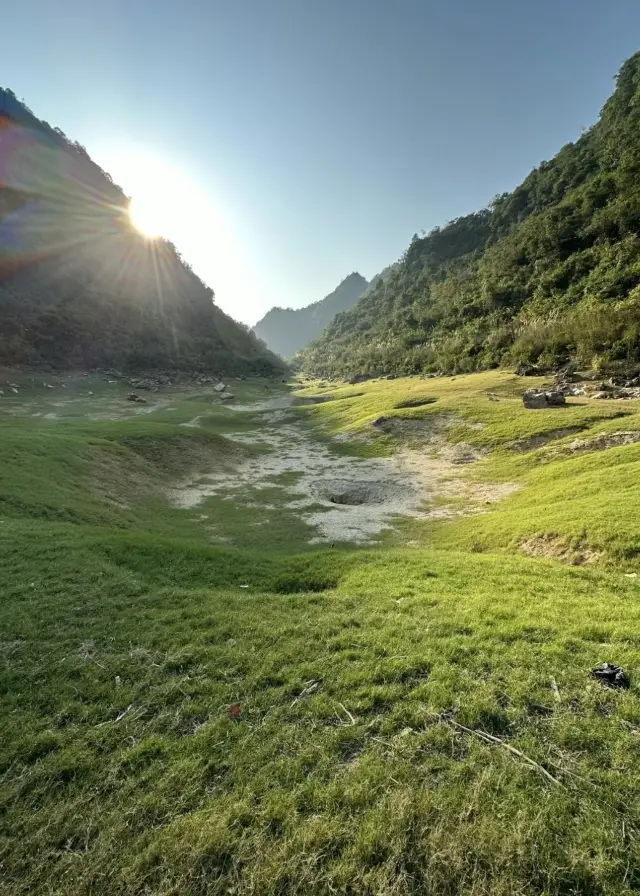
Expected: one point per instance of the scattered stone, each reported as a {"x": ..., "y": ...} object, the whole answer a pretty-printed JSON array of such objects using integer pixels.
[
  {"x": 537, "y": 399},
  {"x": 147, "y": 384},
  {"x": 226, "y": 396},
  {"x": 219, "y": 387},
  {"x": 15, "y": 390},
  {"x": 379, "y": 422},
  {"x": 568, "y": 373},
  {"x": 611, "y": 676},
  {"x": 601, "y": 395},
  {"x": 133, "y": 396}
]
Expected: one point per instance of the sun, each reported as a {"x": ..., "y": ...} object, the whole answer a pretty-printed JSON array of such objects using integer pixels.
[{"x": 148, "y": 215}]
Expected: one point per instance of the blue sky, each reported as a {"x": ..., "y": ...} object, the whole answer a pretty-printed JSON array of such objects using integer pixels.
[{"x": 314, "y": 137}]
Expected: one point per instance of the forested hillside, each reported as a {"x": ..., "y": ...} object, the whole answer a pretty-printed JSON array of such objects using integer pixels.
[
  {"x": 79, "y": 287},
  {"x": 548, "y": 272},
  {"x": 287, "y": 330}
]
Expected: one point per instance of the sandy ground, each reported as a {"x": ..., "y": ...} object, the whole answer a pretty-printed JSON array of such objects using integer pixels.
[{"x": 346, "y": 498}]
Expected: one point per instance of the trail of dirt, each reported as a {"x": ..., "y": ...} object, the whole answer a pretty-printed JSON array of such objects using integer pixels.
[{"x": 345, "y": 498}]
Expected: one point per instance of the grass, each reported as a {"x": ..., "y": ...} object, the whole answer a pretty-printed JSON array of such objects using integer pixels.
[{"x": 267, "y": 717}]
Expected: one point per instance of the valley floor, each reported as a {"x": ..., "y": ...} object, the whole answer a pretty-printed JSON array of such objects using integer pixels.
[{"x": 330, "y": 640}]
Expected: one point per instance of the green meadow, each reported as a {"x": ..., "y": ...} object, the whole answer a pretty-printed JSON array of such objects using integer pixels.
[{"x": 203, "y": 700}]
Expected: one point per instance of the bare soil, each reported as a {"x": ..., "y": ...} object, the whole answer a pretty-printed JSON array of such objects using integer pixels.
[{"x": 347, "y": 498}]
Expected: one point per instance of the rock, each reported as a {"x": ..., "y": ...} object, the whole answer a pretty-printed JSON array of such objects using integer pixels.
[
  {"x": 152, "y": 384},
  {"x": 601, "y": 395},
  {"x": 524, "y": 369},
  {"x": 536, "y": 399},
  {"x": 611, "y": 676},
  {"x": 226, "y": 396},
  {"x": 219, "y": 387},
  {"x": 567, "y": 373},
  {"x": 555, "y": 398},
  {"x": 379, "y": 422},
  {"x": 573, "y": 390},
  {"x": 133, "y": 396}
]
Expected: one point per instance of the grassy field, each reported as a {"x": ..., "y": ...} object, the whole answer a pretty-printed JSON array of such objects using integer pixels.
[{"x": 185, "y": 715}]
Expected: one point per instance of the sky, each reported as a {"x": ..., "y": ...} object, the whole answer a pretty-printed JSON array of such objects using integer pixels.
[{"x": 284, "y": 144}]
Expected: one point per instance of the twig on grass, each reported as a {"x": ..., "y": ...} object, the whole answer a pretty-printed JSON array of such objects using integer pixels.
[
  {"x": 121, "y": 715},
  {"x": 491, "y": 739},
  {"x": 346, "y": 711}
]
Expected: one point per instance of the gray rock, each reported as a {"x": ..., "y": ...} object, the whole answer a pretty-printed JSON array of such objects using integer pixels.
[
  {"x": 537, "y": 399},
  {"x": 524, "y": 369},
  {"x": 219, "y": 387},
  {"x": 226, "y": 396},
  {"x": 555, "y": 398}
]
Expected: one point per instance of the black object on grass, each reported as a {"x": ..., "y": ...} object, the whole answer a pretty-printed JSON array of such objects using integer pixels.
[{"x": 611, "y": 676}]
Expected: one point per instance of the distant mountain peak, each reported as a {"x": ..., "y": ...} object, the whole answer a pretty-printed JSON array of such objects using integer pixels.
[{"x": 288, "y": 330}]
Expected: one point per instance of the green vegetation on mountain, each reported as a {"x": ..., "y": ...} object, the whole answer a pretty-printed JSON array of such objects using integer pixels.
[
  {"x": 548, "y": 272},
  {"x": 79, "y": 287},
  {"x": 288, "y": 330}
]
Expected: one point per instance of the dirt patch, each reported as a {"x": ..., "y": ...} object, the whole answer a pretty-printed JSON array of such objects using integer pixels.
[
  {"x": 349, "y": 493},
  {"x": 531, "y": 443},
  {"x": 321, "y": 399},
  {"x": 344, "y": 498},
  {"x": 415, "y": 429},
  {"x": 605, "y": 440},
  {"x": 552, "y": 547},
  {"x": 417, "y": 402}
]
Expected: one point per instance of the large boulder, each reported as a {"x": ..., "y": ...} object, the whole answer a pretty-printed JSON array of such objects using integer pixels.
[
  {"x": 555, "y": 398},
  {"x": 524, "y": 369},
  {"x": 537, "y": 399}
]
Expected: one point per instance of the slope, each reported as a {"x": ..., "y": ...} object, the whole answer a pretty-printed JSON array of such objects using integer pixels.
[
  {"x": 198, "y": 700},
  {"x": 548, "y": 272},
  {"x": 79, "y": 287},
  {"x": 287, "y": 330}
]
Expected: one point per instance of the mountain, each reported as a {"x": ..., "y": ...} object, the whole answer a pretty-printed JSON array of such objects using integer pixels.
[
  {"x": 547, "y": 273},
  {"x": 287, "y": 330},
  {"x": 79, "y": 286}
]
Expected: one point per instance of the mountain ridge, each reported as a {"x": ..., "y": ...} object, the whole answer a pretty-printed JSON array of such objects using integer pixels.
[
  {"x": 80, "y": 288},
  {"x": 547, "y": 273}
]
